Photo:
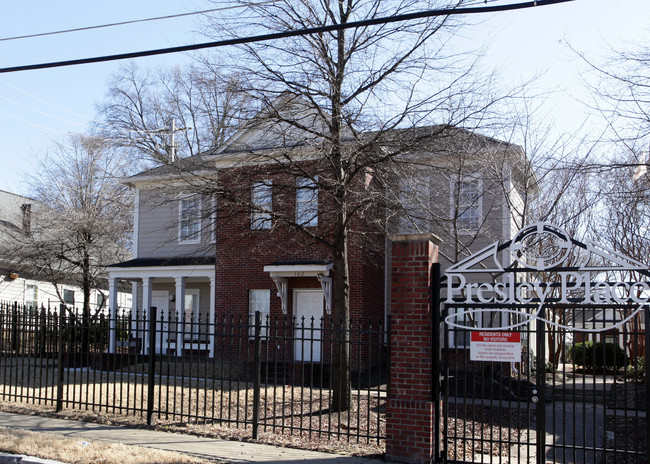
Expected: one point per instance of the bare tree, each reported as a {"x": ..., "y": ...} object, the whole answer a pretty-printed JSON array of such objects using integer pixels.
[
  {"x": 203, "y": 103},
  {"x": 624, "y": 225},
  {"x": 345, "y": 94},
  {"x": 86, "y": 221},
  {"x": 337, "y": 108}
]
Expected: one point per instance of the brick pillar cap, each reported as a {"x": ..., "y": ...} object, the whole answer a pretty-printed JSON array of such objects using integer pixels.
[{"x": 415, "y": 238}]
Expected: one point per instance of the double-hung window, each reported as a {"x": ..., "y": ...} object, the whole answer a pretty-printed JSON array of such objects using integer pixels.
[
  {"x": 468, "y": 204},
  {"x": 261, "y": 202},
  {"x": 31, "y": 296},
  {"x": 259, "y": 300},
  {"x": 68, "y": 297},
  {"x": 189, "y": 223},
  {"x": 306, "y": 202},
  {"x": 415, "y": 199},
  {"x": 100, "y": 300},
  {"x": 213, "y": 220}
]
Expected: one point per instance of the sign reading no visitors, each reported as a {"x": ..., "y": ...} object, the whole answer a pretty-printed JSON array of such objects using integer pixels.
[{"x": 495, "y": 346}]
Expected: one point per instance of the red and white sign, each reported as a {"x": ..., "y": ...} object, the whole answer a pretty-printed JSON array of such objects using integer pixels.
[{"x": 495, "y": 346}]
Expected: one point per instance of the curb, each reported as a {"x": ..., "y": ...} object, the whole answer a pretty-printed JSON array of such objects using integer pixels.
[{"x": 6, "y": 458}]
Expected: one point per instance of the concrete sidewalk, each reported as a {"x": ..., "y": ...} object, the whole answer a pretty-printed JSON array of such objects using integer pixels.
[{"x": 208, "y": 448}]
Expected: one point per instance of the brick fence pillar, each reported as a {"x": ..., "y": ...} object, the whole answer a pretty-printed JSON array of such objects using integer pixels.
[{"x": 410, "y": 410}]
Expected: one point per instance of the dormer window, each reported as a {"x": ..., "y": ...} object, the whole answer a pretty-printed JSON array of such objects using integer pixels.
[{"x": 189, "y": 224}]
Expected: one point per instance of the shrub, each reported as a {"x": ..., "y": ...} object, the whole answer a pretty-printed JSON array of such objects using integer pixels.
[
  {"x": 608, "y": 355},
  {"x": 582, "y": 353},
  {"x": 598, "y": 355},
  {"x": 636, "y": 371}
]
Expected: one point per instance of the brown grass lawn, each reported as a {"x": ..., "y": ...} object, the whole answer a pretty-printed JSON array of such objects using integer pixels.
[
  {"x": 191, "y": 399},
  {"x": 55, "y": 447},
  {"x": 290, "y": 415}
]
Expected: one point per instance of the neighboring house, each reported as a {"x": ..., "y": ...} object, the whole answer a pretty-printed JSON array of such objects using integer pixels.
[
  {"x": 218, "y": 261},
  {"x": 25, "y": 285}
]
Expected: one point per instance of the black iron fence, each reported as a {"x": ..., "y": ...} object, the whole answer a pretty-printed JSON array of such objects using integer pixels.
[
  {"x": 259, "y": 373},
  {"x": 578, "y": 393}
]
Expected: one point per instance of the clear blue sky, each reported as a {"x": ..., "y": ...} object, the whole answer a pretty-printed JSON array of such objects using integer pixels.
[{"x": 38, "y": 106}]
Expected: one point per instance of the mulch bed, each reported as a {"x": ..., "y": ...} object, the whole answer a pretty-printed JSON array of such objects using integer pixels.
[
  {"x": 475, "y": 430},
  {"x": 627, "y": 433},
  {"x": 628, "y": 395}
]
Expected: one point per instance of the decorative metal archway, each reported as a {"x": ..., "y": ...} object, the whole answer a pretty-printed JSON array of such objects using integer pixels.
[{"x": 542, "y": 353}]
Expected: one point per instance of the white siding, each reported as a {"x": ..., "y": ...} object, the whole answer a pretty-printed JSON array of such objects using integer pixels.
[{"x": 13, "y": 290}]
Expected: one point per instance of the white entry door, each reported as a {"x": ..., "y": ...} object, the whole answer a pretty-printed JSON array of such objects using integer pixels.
[
  {"x": 160, "y": 299},
  {"x": 308, "y": 304}
]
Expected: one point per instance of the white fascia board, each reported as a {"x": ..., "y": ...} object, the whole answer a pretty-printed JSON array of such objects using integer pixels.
[
  {"x": 134, "y": 273},
  {"x": 298, "y": 270}
]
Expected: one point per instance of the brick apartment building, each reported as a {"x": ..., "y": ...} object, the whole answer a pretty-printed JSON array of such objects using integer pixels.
[{"x": 230, "y": 250}]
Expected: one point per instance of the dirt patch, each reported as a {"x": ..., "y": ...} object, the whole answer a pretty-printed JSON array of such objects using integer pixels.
[
  {"x": 628, "y": 395},
  {"x": 480, "y": 430},
  {"x": 629, "y": 436}
]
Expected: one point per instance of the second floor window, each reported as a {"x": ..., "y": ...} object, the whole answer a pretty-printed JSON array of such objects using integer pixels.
[
  {"x": 415, "y": 199},
  {"x": 261, "y": 202},
  {"x": 468, "y": 204},
  {"x": 189, "y": 211},
  {"x": 306, "y": 202}
]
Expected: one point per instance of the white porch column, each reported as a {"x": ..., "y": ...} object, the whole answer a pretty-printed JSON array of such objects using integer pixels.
[
  {"x": 135, "y": 317},
  {"x": 180, "y": 314},
  {"x": 146, "y": 305},
  {"x": 112, "y": 314},
  {"x": 211, "y": 315}
]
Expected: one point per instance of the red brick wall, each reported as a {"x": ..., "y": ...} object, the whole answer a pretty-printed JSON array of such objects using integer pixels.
[
  {"x": 410, "y": 411},
  {"x": 242, "y": 253}
]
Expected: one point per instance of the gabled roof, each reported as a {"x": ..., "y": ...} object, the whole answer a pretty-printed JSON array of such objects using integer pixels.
[
  {"x": 287, "y": 122},
  {"x": 290, "y": 123}
]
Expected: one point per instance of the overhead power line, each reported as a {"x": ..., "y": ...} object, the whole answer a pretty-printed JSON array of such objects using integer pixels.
[
  {"x": 286, "y": 34},
  {"x": 123, "y": 23}
]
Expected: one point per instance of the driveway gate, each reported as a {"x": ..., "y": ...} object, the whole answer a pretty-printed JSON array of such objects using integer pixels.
[{"x": 543, "y": 359}]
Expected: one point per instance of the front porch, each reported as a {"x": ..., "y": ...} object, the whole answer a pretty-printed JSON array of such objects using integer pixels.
[{"x": 183, "y": 292}]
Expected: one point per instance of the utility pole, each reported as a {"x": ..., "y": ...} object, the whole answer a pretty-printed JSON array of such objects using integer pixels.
[
  {"x": 172, "y": 153},
  {"x": 172, "y": 138}
]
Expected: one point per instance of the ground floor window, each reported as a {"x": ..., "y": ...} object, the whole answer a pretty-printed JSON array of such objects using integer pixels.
[
  {"x": 68, "y": 297},
  {"x": 31, "y": 296},
  {"x": 259, "y": 300},
  {"x": 191, "y": 311}
]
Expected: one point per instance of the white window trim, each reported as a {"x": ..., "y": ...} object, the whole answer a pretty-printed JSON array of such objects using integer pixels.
[
  {"x": 136, "y": 223},
  {"x": 35, "y": 287},
  {"x": 261, "y": 218},
  {"x": 186, "y": 241},
  {"x": 305, "y": 208},
  {"x": 213, "y": 219},
  {"x": 453, "y": 190}
]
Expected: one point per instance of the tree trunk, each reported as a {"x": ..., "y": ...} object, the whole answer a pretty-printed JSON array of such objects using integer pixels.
[
  {"x": 341, "y": 291},
  {"x": 341, "y": 348},
  {"x": 86, "y": 314}
]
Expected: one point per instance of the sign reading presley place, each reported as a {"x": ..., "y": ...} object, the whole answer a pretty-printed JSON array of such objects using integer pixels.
[
  {"x": 495, "y": 346},
  {"x": 560, "y": 271}
]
